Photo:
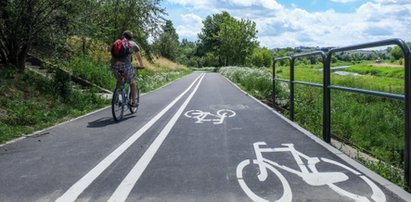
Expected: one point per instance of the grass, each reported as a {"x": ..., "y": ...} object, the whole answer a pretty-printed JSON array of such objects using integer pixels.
[
  {"x": 380, "y": 71},
  {"x": 29, "y": 102},
  {"x": 371, "y": 124},
  {"x": 256, "y": 81},
  {"x": 154, "y": 75}
]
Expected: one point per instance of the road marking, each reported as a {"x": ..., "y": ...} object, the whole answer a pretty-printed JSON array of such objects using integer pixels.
[
  {"x": 75, "y": 190},
  {"x": 125, "y": 187},
  {"x": 216, "y": 119},
  {"x": 307, "y": 171}
]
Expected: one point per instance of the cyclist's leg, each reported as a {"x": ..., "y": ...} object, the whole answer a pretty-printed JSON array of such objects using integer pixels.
[
  {"x": 116, "y": 70},
  {"x": 133, "y": 93},
  {"x": 130, "y": 77}
]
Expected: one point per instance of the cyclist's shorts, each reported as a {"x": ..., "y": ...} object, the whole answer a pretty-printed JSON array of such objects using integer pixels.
[{"x": 128, "y": 70}]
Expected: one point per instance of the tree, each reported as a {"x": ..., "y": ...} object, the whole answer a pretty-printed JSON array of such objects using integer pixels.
[
  {"x": 262, "y": 57},
  {"x": 24, "y": 22},
  {"x": 142, "y": 17},
  {"x": 187, "y": 54},
  {"x": 231, "y": 41},
  {"x": 167, "y": 44},
  {"x": 396, "y": 52}
]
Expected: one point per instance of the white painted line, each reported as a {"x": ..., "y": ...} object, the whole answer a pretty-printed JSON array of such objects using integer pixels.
[
  {"x": 125, "y": 187},
  {"x": 75, "y": 190}
]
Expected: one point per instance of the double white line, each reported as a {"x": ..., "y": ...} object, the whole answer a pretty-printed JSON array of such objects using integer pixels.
[{"x": 124, "y": 189}]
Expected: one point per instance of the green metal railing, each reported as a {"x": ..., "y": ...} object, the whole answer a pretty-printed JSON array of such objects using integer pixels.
[{"x": 326, "y": 85}]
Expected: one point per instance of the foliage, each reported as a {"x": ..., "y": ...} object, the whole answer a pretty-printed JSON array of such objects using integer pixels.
[
  {"x": 262, "y": 57},
  {"x": 393, "y": 72},
  {"x": 226, "y": 41},
  {"x": 396, "y": 52},
  {"x": 109, "y": 18},
  {"x": 29, "y": 102},
  {"x": 167, "y": 44},
  {"x": 256, "y": 81},
  {"x": 24, "y": 23},
  {"x": 187, "y": 54},
  {"x": 47, "y": 24},
  {"x": 100, "y": 73}
]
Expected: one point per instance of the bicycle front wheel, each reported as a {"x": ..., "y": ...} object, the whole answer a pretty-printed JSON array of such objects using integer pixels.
[
  {"x": 247, "y": 170},
  {"x": 117, "y": 104}
]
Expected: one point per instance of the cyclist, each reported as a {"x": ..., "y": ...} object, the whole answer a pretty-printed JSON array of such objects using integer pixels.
[{"x": 124, "y": 65}]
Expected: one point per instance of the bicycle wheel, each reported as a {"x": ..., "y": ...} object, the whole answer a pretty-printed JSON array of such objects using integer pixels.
[
  {"x": 226, "y": 112},
  {"x": 194, "y": 113},
  {"x": 376, "y": 195},
  {"x": 117, "y": 104},
  {"x": 241, "y": 173},
  {"x": 134, "y": 109}
]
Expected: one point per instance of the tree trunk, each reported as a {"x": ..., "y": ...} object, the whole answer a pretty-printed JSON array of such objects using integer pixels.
[{"x": 21, "y": 58}]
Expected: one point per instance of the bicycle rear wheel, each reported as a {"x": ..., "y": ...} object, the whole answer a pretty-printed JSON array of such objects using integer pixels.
[
  {"x": 117, "y": 104},
  {"x": 134, "y": 109}
]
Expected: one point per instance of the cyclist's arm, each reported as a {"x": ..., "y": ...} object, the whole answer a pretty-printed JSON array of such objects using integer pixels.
[{"x": 139, "y": 60}]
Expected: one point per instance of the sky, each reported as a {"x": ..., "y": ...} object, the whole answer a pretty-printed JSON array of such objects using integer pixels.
[{"x": 294, "y": 23}]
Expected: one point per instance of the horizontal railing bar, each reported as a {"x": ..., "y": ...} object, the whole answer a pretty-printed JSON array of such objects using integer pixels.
[
  {"x": 282, "y": 58},
  {"x": 284, "y": 80},
  {"x": 369, "y": 45},
  {"x": 300, "y": 82},
  {"x": 369, "y": 92},
  {"x": 308, "y": 83},
  {"x": 315, "y": 53}
]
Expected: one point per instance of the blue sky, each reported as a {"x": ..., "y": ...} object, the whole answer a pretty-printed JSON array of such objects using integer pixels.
[{"x": 292, "y": 23}]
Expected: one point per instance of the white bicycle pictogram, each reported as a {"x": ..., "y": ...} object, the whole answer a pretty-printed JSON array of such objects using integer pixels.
[
  {"x": 307, "y": 171},
  {"x": 217, "y": 118}
]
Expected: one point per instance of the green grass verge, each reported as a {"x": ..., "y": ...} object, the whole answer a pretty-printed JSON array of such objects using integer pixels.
[
  {"x": 100, "y": 74},
  {"x": 29, "y": 102}
]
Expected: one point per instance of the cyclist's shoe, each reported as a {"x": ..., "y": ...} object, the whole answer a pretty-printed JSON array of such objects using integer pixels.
[{"x": 134, "y": 104}]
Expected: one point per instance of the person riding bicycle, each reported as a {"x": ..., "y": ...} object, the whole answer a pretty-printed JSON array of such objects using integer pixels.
[{"x": 123, "y": 65}]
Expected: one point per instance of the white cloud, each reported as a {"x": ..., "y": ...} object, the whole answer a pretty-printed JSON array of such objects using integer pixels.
[
  {"x": 191, "y": 27},
  {"x": 195, "y": 3},
  {"x": 342, "y": 1},
  {"x": 293, "y": 26}
]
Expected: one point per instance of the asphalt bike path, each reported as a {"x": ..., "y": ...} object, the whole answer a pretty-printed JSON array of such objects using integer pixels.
[
  {"x": 43, "y": 166},
  {"x": 197, "y": 139}
]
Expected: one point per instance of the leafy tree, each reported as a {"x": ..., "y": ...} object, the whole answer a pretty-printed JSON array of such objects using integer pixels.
[
  {"x": 187, "y": 54},
  {"x": 142, "y": 17},
  {"x": 396, "y": 52},
  {"x": 230, "y": 41},
  {"x": 262, "y": 57},
  {"x": 167, "y": 44},
  {"x": 25, "y": 22}
]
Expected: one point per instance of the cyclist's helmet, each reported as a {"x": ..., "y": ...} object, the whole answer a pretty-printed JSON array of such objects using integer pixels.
[{"x": 128, "y": 34}]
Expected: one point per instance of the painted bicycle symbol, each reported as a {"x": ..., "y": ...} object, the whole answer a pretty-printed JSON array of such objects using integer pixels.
[
  {"x": 217, "y": 118},
  {"x": 307, "y": 171}
]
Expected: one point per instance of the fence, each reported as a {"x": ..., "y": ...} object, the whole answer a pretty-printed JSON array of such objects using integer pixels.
[{"x": 326, "y": 85}]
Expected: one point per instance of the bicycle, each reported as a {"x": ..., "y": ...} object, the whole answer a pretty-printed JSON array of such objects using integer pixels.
[
  {"x": 120, "y": 99},
  {"x": 217, "y": 118},
  {"x": 309, "y": 173}
]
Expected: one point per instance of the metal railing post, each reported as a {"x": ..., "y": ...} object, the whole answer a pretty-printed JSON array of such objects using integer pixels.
[
  {"x": 327, "y": 99},
  {"x": 273, "y": 94},
  {"x": 407, "y": 132},
  {"x": 292, "y": 93}
]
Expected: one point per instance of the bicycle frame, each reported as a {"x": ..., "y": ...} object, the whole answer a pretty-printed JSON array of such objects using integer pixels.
[{"x": 306, "y": 171}]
